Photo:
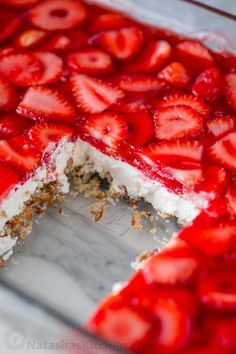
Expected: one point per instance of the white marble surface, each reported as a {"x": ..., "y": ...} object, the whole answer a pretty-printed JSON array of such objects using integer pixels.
[{"x": 70, "y": 263}]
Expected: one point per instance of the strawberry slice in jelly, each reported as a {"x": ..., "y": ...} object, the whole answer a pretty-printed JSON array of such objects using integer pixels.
[
  {"x": 42, "y": 135},
  {"x": 13, "y": 125},
  {"x": 123, "y": 44},
  {"x": 224, "y": 150},
  {"x": 108, "y": 127},
  {"x": 58, "y": 14},
  {"x": 217, "y": 290},
  {"x": 43, "y": 103},
  {"x": 178, "y": 121},
  {"x": 140, "y": 127},
  {"x": 19, "y": 152},
  {"x": 93, "y": 95},
  {"x": 10, "y": 176},
  {"x": 115, "y": 321},
  {"x": 153, "y": 57},
  {"x": 175, "y": 74},
  {"x": 21, "y": 69}
]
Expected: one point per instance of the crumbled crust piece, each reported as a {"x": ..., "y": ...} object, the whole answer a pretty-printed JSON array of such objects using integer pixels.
[
  {"x": 144, "y": 256},
  {"x": 97, "y": 209},
  {"x": 2, "y": 263},
  {"x": 48, "y": 196},
  {"x": 137, "y": 219},
  {"x": 94, "y": 185},
  {"x": 132, "y": 202},
  {"x": 153, "y": 231}
]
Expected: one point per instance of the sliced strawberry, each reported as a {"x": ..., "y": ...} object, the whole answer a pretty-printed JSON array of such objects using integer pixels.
[
  {"x": 166, "y": 269},
  {"x": 10, "y": 24},
  {"x": 122, "y": 44},
  {"x": 188, "y": 100},
  {"x": 226, "y": 59},
  {"x": 194, "y": 55},
  {"x": 52, "y": 67},
  {"x": 231, "y": 197},
  {"x": 181, "y": 158},
  {"x": 140, "y": 83},
  {"x": 90, "y": 61},
  {"x": 150, "y": 295},
  {"x": 189, "y": 178},
  {"x": 6, "y": 51},
  {"x": 18, "y": 3},
  {"x": 176, "y": 325},
  {"x": 13, "y": 125},
  {"x": 215, "y": 179},
  {"x": 42, "y": 103},
  {"x": 219, "y": 126},
  {"x": 92, "y": 95},
  {"x": 177, "y": 122},
  {"x": 230, "y": 80},
  {"x": 30, "y": 38},
  {"x": 140, "y": 126},
  {"x": 224, "y": 332},
  {"x": 21, "y": 69},
  {"x": 212, "y": 241},
  {"x": 131, "y": 104},
  {"x": 59, "y": 42},
  {"x": 115, "y": 321},
  {"x": 9, "y": 177},
  {"x": 7, "y": 96},
  {"x": 152, "y": 58},
  {"x": 178, "y": 154},
  {"x": 58, "y": 14},
  {"x": 209, "y": 84},
  {"x": 69, "y": 41},
  {"x": 107, "y": 22},
  {"x": 224, "y": 151},
  {"x": 178, "y": 248},
  {"x": 176, "y": 74},
  {"x": 19, "y": 152},
  {"x": 110, "y": 128},
  {"x": 173, "y": 310},
  {"x": 43, "y": 135},
  {"x": 217, "y": 290}
]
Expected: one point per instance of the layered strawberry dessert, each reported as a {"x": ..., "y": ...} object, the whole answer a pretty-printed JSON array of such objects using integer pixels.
[{"x": 84, "y": 87}]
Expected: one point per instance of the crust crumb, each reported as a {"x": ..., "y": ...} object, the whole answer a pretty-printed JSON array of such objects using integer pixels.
[
  {"x": 137, "y": 219},
  {"x": 14, "y": 261},
  {"x": 132, "y": 202},
  {"x": 21, "y": 225},
  {"x": 97, "y": 210},
  {"x": 153, "y": 231},
  {"x": 143, "y": 256}
]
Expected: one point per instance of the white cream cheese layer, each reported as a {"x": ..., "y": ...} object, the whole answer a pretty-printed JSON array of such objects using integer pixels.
[{"x": 184, "y": 207}]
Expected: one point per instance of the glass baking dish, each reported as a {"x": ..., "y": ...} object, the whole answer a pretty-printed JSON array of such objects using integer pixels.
[{"x": 69, "y": 262}]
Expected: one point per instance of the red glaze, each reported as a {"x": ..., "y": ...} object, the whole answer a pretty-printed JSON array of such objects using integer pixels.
[
  {"x": 160, "y": 102},
  {"x": 111, "y": 63}
]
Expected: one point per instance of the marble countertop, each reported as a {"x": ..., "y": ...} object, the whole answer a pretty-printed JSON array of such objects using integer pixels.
[{"x": 70, "y": 262}]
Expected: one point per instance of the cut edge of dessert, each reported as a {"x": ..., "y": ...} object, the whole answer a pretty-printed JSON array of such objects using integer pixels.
[
  {"x": 84, "y": 88},
  {"x": 124, "y": 180}
]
